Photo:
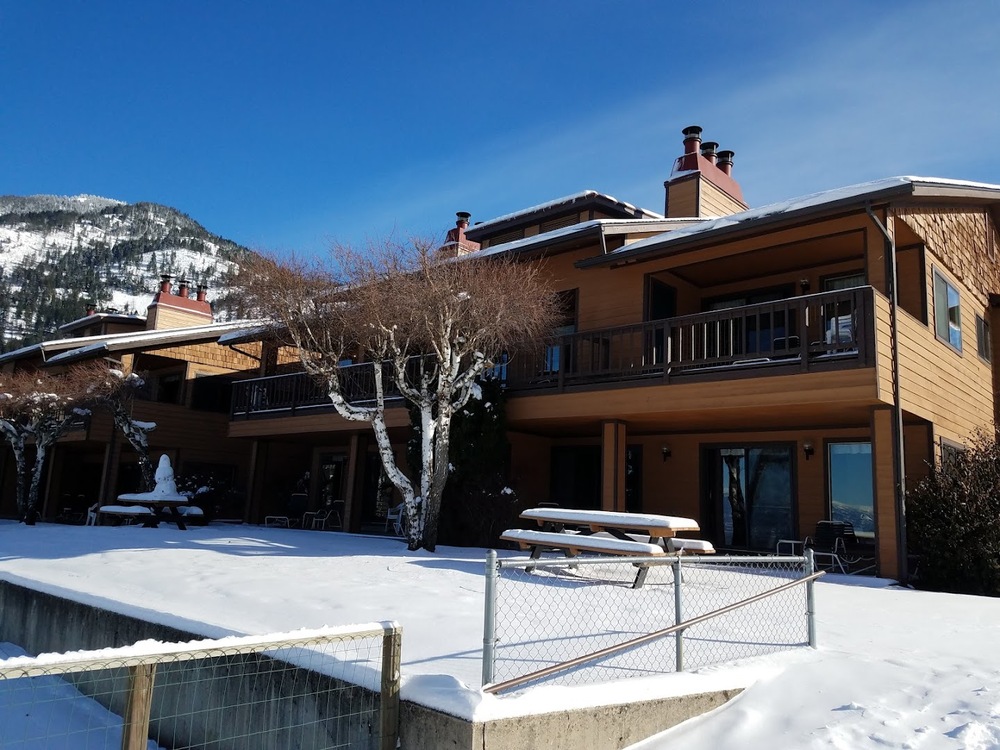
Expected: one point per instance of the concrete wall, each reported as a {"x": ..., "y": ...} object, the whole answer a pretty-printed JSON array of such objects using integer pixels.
[
  {"x": 42, "y": 622},
  {"x": 596, "y": 728}
]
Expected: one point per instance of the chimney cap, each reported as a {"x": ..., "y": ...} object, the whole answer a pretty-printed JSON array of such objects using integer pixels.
[
  {"x": 463, "y": 216},
  {"x": 709, "y": 147},
  {"x": 692, "y": 131}
]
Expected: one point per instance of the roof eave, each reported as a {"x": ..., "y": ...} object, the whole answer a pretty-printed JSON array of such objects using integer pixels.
[
  {"x": 749, "y": 226},
  {"x": 478, "y": 231}
]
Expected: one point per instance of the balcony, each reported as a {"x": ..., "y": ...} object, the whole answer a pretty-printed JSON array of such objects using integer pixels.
[
  {"x": 831, "y": 330},
  {"x": 814, "y": 332},
  {"x": 281, "y": 395}
]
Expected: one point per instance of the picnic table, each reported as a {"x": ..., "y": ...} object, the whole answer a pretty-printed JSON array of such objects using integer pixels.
[
  {"x": 156, "y": 505},
  {"x": 624, "y": 526},
  {"x": 607, "y": 532}
]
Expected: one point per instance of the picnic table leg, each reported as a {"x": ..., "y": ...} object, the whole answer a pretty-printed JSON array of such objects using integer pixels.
[
  {"x": 640, "y": 576},
  {"x": 178, "y": 518},
  {"x": 536, "y": 552}
]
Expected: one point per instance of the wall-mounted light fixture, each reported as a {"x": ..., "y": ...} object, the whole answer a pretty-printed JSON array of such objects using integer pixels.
[
  {"x": 804, "y": 285},
  {"x": 665, "y": 450},
  {"x": 808, "y": 449}
]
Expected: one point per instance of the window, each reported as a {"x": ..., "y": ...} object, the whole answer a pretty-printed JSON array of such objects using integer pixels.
[
  {"x": 950, "y": 452},
  {"x": 558, "y": 355},
  {"x": 849, "y": 467},
  {"x": 168, "y": 388},
  {"x": 947, "y": 312},
  {"x": 983, "y": 345},
  {"x": 846, "y": 281}
]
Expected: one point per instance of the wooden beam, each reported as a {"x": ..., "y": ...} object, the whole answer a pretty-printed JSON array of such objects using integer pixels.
[
  {"x": 884, "y": 492},
  {"x": 613, "y": 438}
]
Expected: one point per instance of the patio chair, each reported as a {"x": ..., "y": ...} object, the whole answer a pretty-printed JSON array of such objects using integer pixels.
[
  {"x": 836, "y": 542},
  {"x": 395, "y": 516},
  {"x": 321, "y": 518}
]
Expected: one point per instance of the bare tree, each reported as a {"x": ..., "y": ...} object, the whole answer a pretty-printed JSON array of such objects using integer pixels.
[
  {"x": 39, "y": 408},
  {"x": 115, "y": 390},
  {"x": 426, "y": 326}
]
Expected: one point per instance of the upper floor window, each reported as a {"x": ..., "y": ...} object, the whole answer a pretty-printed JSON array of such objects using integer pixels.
[
  {"x": 844, "y": 281},
  {"x": 983, "y": 345},
  {"x": 947, "y": 312}
]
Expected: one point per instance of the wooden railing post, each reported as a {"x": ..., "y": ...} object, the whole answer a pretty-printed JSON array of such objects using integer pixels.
[
  {"x": 135, "y": 730},
  {"x": 389, "y": 706}
]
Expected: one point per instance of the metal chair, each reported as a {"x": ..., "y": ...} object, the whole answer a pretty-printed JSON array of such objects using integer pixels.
[
  {"x": 395, "y": 516},
  {"x": 837, "y": 542},
  {"x": 320, "y": 518}
]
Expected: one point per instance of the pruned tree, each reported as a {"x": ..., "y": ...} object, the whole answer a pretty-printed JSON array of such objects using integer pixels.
[
  {"x": 426, "y": 327},
  {"x": 38, "y": 408}
]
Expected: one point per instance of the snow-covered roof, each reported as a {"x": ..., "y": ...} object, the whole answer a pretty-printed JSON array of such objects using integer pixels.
[
  {"x": 63, "y": 351},
  {"x": 565, "y": 200},
  {"x": 906, "y": 185},
  {"x": 607, "y": 226},
  {"x": 107, "y": 317}
]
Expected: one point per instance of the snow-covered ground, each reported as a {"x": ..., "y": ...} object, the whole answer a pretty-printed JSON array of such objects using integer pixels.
[{"x": 895, "y": 667}]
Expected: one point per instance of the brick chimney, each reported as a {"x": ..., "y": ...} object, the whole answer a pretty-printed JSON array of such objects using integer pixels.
[
  {"x": 455, "y": 243},
  {"x": 169, "y": 310},
  {"x": 701, "y": 183}
]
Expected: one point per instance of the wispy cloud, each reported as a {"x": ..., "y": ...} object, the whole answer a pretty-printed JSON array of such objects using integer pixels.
[{"x": 909, "y": 91}]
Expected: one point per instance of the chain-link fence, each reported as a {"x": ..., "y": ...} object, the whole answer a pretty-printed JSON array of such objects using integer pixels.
[
  {"x": 580, "y": 620},
  {"x": 332, "y": 688}
]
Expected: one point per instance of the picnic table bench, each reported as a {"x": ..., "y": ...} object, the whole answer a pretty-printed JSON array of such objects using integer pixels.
[
  {"x": 607, "y": 532},
  {"x": 126, "y": 512}
]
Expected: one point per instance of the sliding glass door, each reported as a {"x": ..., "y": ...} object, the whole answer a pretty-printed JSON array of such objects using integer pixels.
[{"x": 749, "y": 497}]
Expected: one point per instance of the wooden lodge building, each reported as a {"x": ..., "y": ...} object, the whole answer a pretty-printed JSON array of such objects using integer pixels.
[{"x": 757, "y": 369}]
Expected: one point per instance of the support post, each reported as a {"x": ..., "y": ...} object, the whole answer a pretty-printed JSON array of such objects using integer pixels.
[
  {"x": 135, "y": 730},
  {"x": 392, "y": 643},
  {"x": 678, "y": 616},
  {"x": 810, "y": 598},
  {"x": 489, "y": 618}
]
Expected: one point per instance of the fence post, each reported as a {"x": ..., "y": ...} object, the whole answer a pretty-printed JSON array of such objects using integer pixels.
[
  {"x": 392, "y": 643},
  {"x": 678, "y": 616},
  {"x": 135, "y": 731},
  {"x": 489, "y": 619},
  {"x": 810, "y": 600}
]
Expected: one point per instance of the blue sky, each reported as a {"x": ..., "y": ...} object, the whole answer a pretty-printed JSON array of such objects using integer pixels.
[{"x": 286, "y": 126}]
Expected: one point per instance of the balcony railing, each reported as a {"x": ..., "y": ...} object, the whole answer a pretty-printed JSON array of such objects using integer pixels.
[
  {"x": 280, "y": 394},
  {"x": 813, "y": 332},
  {"x": 817, "y": 331}
]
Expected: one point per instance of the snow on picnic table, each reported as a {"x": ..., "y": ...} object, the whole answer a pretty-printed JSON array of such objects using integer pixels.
[{"x": 895, "y": 667}]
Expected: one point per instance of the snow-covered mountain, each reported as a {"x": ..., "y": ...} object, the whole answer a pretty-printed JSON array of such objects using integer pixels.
[{"x": 58, "y": 252}]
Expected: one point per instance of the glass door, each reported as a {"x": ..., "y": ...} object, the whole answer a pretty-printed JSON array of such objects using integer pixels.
[{"x": 750, "y": 496}]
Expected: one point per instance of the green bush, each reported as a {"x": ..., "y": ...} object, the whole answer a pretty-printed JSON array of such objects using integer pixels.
[{"x": 953, "y": 522}]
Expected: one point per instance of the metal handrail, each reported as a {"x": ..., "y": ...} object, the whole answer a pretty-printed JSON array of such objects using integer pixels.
[{"x": 680, "y": 627}]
